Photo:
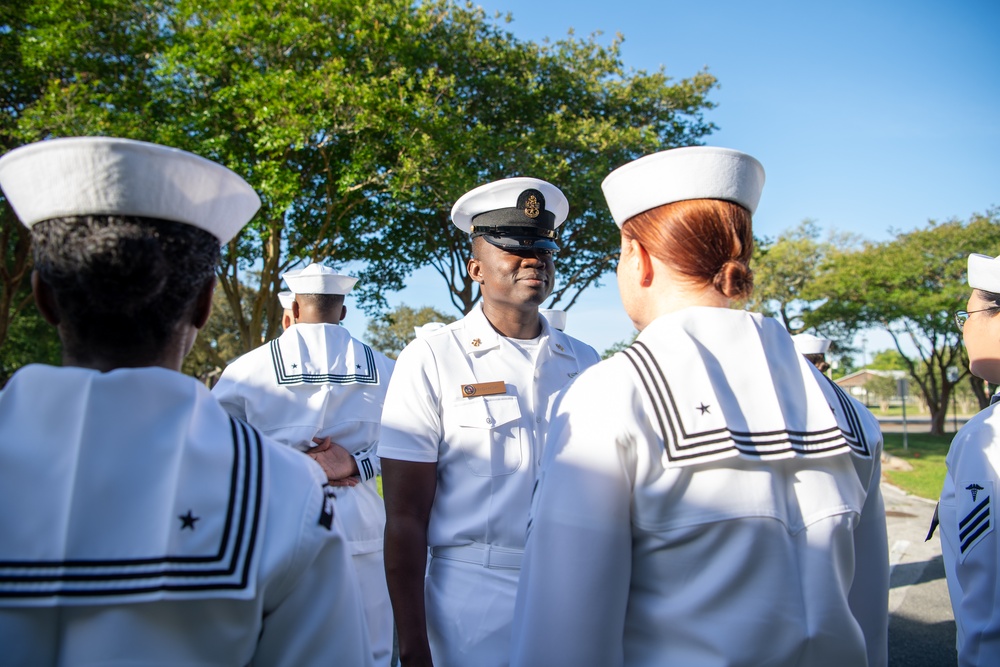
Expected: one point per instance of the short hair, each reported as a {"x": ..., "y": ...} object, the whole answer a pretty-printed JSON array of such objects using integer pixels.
[
  {"x": 122, "y": 284},
  {"x": 819, "y": 361},
  {"x": 991, "y": 297},
  {"x": 709, "y": 241},
  {"x": 327, "y": 306}
]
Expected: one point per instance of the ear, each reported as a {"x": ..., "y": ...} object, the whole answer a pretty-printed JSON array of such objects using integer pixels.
[
  {"x": 475, "y": 270},
  {"x": 638, "y": 260},
  {"x": 295, "y": 311},
  {"x": 203, "y": 304},
  {"x": 286, "y": 319},
  {"x": 645, "y": 266},
  {"x": 343, "y": 313},
  {"x": 45, "y": 299}
]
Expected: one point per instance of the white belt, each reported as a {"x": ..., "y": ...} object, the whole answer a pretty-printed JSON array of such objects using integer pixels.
[{"x": 487, "y": 555}]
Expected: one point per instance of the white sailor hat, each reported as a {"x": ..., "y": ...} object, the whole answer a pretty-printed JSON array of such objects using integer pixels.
[
  {"x": 318, "y": 279},
  {"x": 514, "y": 213},
  {"x": 286, "y": 298},
  {"x": 556, "y": 317},
  {"x": 984, "y": 273},
  {"x": 428, "y": 328},
  {"x": 693, "y": 172},
  {"x": 810, "y": 344},
  {"x": 109, "y": 176}
]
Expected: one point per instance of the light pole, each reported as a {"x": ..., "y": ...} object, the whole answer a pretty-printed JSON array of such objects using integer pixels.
[
  {"x": 952, "y": 375},
  {"x": 902, "y": 387}
]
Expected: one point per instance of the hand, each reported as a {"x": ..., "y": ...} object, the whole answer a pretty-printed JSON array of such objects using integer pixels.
[
  {"x": 353, "y": 480},
  {"x": 340, "y": 467}
]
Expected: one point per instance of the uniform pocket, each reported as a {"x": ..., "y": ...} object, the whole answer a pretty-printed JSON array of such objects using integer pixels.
[{"x": 490, "y": 434}]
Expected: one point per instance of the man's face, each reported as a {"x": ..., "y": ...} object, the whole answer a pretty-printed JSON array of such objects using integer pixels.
[{"x": 516, "y": 278}]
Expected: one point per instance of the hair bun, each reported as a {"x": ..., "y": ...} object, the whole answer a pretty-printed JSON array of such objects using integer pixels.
[{"x": 734, "y": 279}]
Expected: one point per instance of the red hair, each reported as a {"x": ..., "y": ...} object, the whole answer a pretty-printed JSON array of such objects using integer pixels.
[{"x": 709, "y": 241}]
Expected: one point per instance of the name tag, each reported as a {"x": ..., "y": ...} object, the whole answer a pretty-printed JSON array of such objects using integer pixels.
[{"x": 484, "y": 389}]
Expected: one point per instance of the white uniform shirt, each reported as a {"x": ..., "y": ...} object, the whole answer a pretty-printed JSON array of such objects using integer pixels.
[
  {"x": 690, "y": 512},
  {"x": 486, "y": 446},
  {"x": 315, "y": 380},
  {"x": 969, "y": 542},
  {"x": 143, "y": 525}
]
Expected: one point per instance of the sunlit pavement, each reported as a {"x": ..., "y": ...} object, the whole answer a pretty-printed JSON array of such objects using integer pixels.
[{"x": 921, "y": 625}]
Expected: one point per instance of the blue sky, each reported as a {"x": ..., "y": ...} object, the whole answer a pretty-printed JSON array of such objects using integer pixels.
[{"x": 869, "y": 117}]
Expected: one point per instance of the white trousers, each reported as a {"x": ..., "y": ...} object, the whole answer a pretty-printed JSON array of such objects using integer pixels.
[
  {"x": 470, "y": 609},
  {"x": 370, "y": 568}
]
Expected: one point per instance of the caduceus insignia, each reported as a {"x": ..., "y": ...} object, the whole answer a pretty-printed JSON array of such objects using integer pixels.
[{"x": 531, "y": 207}]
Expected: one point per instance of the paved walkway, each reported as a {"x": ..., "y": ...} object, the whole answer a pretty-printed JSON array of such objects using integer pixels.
[{"x": 921, "y": 625}]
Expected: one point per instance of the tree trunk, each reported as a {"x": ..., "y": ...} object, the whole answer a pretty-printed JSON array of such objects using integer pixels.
[
  {"x": 15, "y": 244},
  {"x": 939, "y": 417},
  {"x": 980, "y": 391}
]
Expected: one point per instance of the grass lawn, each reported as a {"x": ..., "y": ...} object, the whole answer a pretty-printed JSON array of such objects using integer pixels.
[{"x": 926, "y": 454}]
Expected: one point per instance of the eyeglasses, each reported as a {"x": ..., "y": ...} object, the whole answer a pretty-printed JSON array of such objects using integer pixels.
[{"x": 963, "y": 315}]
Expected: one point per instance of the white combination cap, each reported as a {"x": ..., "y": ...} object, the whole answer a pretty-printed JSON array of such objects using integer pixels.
[
  {"x": 556, "y": 317},
  {"x": 286, "y": 298},
  {"x": 428, "y": 328},
  {"x": 810, "y": 344},
  {"x": 984, "y": 273},
  {"x": 680, "y": 174},
  {"x": 513, "y": 213},
  {"x": 318, "y": 279},
  {"x": 109, "y": 176}
]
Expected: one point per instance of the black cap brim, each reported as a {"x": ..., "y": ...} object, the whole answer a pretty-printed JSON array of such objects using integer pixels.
[{"x": 514, "y": 243}]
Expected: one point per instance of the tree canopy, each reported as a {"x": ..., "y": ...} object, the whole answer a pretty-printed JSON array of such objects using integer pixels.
[
  {"x": 910, "y": 287},
  {"x": 784, "y": 272},
  {"x": 359, "y": 123}
]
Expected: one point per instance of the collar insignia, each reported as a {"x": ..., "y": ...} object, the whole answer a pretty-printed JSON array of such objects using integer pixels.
[
  {"x": 188, "y": 520},
  {"x": 476, "y": 342}
]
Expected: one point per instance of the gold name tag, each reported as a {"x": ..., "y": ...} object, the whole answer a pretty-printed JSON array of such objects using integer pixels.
[{"x": 484, "y": 389}]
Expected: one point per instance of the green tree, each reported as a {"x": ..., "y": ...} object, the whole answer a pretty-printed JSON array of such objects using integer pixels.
[
  {"x": 218, "y": 343},
  {"x": 298, "y": 97},
  {"x": 30, "y": 339},
  {"x": 619, "y": 346},
  {"x": 67, "y": 67},
  {"x": 568, "y": 112},
  {"x": 359, "y": 123},
  {"x": 910, "y": 287},
  {"x": 785, "y": 268},
  {"x": 18, "y": 88},
  {"x": 888, "y": 360},
  {"x": 390, "y": 332}
]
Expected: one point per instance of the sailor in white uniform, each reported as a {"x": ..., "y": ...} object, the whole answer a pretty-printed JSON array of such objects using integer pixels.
[
  {"x": 286, "y": 298},
  {"x": 969, "y": 541},
  {"x": 555, "y": 317},
  {"x": 142, "y": 524},
  {"x": 814, "y": 349},
  {"x": 462, "y": 431},
  {"x": 427, "y": 329},
  {"x": 706, "y": 496},
  {"x": 319, "y": 390}
]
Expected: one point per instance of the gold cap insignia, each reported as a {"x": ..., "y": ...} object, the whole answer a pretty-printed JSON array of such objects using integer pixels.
[{"x": 531, "y": 208}]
